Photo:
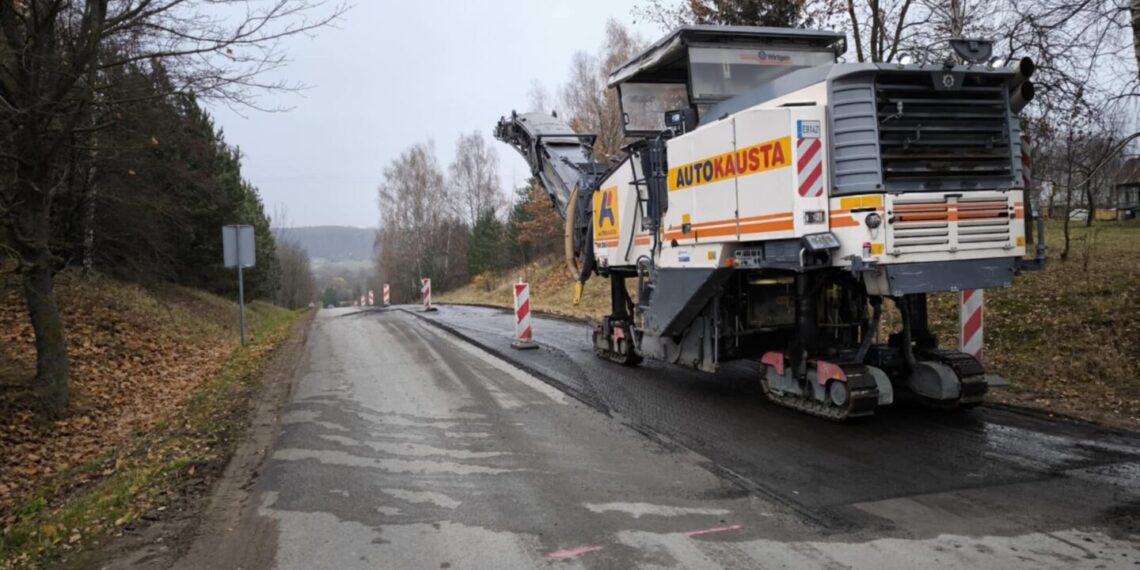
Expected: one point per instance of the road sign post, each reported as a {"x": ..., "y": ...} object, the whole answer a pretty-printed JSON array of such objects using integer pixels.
[{"x": 238, "y": 249}]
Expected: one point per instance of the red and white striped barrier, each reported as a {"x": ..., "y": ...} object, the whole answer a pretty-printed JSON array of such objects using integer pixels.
[
  {"x": 362, "y": 300},
  {"x": 387, "y": 295},
  {"x": 523, "y": 332},
  {"x": 425, "y": 289},
  {"x": 371, "y": 298},
  {"x": 971, "y": 318}
]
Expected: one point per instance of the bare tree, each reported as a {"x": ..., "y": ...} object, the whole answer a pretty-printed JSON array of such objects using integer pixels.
[
  {"x": 779, "y": 13},
  {"x": 420, "y": 234},
  {"x": 55, "y": 56},
  {"x": 474, "y": 177},
  {"x": 590, "y": 106},
  {"x": 298, "y": 288}
]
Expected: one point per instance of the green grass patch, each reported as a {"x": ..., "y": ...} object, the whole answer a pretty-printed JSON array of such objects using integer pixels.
[{"x": 85, "y": 504}]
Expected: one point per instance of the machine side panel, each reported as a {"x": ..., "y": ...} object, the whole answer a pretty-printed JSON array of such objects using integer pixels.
[
  {"x": 616, "y": 217},
  {"x": 702, "y": 189},
  {"x": 810, "y": 141},
  {"x": 766, "y": 193}
]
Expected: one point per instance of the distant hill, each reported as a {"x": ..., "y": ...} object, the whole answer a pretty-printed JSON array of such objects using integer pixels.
[{"x": 332, "y": 243}]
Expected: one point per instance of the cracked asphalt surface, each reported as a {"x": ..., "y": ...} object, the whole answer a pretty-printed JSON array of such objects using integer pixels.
[{"x": 423, "y": 441}]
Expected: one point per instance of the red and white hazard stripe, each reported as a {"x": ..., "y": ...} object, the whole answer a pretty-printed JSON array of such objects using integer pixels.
[
  {"x": 523, "y": 331},
  {"x": 971, "y": 317},
  {"x": 371, "y": 298},
  {"x": 809, "y": 165},
  {"x": 387, "y": 295},
  {"x": 425, "y": 289}
]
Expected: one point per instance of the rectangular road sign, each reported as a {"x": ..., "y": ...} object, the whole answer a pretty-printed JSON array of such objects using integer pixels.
[{"x": 238, "y": 246}]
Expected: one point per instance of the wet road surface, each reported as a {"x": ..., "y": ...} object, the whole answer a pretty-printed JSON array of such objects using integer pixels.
[{"x": 407, "y": 444}]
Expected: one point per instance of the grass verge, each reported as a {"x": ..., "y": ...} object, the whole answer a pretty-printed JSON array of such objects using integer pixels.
[{"x": 85, "y": 504}]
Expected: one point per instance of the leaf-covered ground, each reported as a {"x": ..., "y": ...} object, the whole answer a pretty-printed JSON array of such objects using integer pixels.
[
  {"x": 1068, "y": 338},
  {"x": 140, "y": 360}
]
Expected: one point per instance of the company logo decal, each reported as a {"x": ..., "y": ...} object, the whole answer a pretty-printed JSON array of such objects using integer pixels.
[
  {"x": 762, "y": 157},
  {"x": 606, "y": 214}
]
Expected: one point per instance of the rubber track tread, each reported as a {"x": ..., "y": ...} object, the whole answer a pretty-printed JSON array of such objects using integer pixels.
[{"x": 861, "y": 401}]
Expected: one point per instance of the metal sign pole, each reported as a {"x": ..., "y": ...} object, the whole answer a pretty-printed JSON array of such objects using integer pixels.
[
  {"x": 241, "y": 305},
  {"x": 238, "y": 251}
]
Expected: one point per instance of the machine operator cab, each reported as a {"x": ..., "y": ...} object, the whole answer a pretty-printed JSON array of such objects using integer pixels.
[{"x": 691, "y": 70}]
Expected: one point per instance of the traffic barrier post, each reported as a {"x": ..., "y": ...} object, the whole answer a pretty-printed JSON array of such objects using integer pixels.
[
  {"x": 524, "y": 334},
  {"x": 425, "y": 289},
  {"x": 971, "y": 320}
]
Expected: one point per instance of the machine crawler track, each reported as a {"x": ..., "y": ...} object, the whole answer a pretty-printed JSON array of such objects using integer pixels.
[
  {"x": 604, "y": 343},
  {"x": 863, "y": 397},
  {"x": 970, "y": 372}
]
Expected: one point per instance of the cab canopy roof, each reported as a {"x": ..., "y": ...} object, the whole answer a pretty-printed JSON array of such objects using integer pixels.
[{"x": 667, "y": 60}]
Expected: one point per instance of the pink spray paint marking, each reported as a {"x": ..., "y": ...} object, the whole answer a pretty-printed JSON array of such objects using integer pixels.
[
  {"x": 694, "y": 533},
  {"x": 574, "y": 552}
]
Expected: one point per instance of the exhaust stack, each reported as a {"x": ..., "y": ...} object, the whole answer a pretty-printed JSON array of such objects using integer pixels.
[
  {"x": 1022, "y": 71},
  {"x": 1020, "y": 96}
]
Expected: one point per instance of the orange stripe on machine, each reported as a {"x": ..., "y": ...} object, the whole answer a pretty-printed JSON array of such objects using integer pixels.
[{"x": 720, "y": 228}]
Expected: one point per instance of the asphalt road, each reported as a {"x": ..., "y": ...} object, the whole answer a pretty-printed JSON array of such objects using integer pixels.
[{"x": 405, "y": 445}]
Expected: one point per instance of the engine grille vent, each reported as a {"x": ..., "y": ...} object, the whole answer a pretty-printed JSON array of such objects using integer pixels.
[
  {"x": 930, "y": 224},
  {"x": 928, "y": 133}
]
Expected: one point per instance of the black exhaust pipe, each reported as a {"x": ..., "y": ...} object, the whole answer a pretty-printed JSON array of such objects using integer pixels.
[
  {"x": 1022, "y": 71},
  {"x": 1020, "y": 96}
]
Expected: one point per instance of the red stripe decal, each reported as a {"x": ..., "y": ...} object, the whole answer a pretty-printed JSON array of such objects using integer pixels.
[
  {"x": 811, "y": 179},
  {"x": 808, "y": 154}
]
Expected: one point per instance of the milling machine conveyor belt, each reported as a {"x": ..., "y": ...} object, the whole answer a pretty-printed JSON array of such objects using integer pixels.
[{"x": 560, "y": 158}]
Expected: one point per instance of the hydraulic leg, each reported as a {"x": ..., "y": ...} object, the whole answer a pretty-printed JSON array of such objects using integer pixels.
[
  {"x": 613, "y": 337},
  {"x": 946, "y": 379}
]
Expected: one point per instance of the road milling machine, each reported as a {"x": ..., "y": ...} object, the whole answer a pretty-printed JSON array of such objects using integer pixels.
[{"x": 773, "y": 197}]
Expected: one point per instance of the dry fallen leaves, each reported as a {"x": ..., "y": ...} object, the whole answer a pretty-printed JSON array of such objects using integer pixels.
[{"x": 134, "y": 361}]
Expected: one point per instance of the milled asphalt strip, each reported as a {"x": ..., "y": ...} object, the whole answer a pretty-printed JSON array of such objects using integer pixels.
[
  {"x": 575, "y": 393},
  {"x": 809, "y": 515}
]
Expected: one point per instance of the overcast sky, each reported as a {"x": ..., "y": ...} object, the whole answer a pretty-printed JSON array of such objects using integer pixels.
[{"x": 396, "y": 73}]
